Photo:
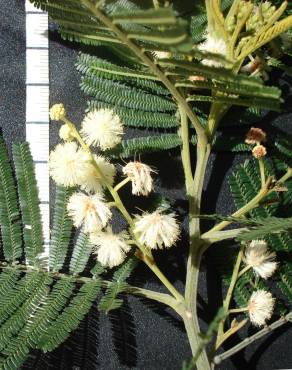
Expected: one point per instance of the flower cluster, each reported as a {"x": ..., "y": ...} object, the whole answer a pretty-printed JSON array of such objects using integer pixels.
[
  {"x": 257, "y": 136},
  {"x": 73, "y": 165},
  {"x": 258, "y": 257},
  {"x": 156, "y": 229},
  {"x": 261, "y": 303},
  {"x": 140, "y": 175},
  {"x": 102, "y": 128},
  {"x": 260, "y": 307}
]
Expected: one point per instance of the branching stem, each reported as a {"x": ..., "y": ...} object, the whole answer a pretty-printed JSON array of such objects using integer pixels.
[
  {"x": 146, "y": 253},
  {"x": 227, "y": 300},
  {"x": 247, "y": 341}
]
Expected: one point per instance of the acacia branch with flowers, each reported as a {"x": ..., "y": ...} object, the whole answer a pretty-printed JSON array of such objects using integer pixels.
[{"x": 166, "y": 78}]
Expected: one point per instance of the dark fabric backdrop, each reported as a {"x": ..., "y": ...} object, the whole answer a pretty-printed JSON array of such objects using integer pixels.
[{"x": 142, "y": 335}]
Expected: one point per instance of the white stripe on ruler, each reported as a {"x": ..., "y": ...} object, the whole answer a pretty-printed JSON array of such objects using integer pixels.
[{"x": 37, "y": 106}]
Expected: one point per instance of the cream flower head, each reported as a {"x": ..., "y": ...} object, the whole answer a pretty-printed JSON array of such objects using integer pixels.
[
  {"x": 260, "y": 259},
  {"x": 65, "y": 133},
  {"x": 110, "y": 249},
  {"x": 156, "y": 229},
  {"x": 68, "y": 164},
  {"x": 213, "y": 45},
  {"x": 259, "y": 151},
  {"x": 140, "y": 175},
  {"x": 260, "y": 307},
  {"x": 88, "y": 211},
  {"x": 93, "y": 182},
  {"x": 102, "y": 128},
  {"x": 57, "y": 112}
]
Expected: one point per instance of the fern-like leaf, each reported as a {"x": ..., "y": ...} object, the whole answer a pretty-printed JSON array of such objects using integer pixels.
[
  {"x": 122, "y": 95},
  {"x": 81, "y": 253},
  {"x": 149, "y": 144},
  {"x": 61, "y": 230},
  {"x": 9, "y": 212},
  {"x": 29, "y": 202},
  {"x": 70, "y": 318},
  {"x": 110, "y": 301}
]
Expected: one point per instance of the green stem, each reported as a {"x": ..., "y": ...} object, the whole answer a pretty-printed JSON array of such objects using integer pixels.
[
  {"x": 227, "y": 300},
  {"x": 146, "y": 293},
  {"x": 243, "y": 271},
  {"x": 197, "y": 247},
  {"x": 150, "y": 262},
  {"x": 234, "y": 278},
  {"x": 249, "y": 206},
  {"x": 121, "y": 184},
  {"x": 238, "y": 310},
  {"x": 234, "y": 329},
  {"x": 185, "y": 152},
  {"x": 262, "y": 172},
  {"x": 242, "y": 211},
  {"x": 218, "y": 236},
  {"x": 249, "y": 340}
]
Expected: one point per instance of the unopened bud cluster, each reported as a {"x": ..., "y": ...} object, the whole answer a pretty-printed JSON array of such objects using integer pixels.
[{"x": 260, "y": 15}]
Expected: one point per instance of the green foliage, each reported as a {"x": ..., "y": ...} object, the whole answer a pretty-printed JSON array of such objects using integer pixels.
[
  {"x": 81, "y": 253},
  {"x": 271, "y": 225},
  {"x": 285, "y": 280},
  {"x": 9, "y": 211},
  {"x": 71, "y": 316},
  {"x": 148, "y": 144},
  {"x": 29, "y": 202},
  {"x": 40, "y": 306},
  {"x": 122, "y": 95},
  {"x": 93, "y": 66},
  {"x": 245, "y": 183},
  {"x": 110, "y": 300},
  {"x": 61, "y": 230},
  {"x": 143, "y": 26}
]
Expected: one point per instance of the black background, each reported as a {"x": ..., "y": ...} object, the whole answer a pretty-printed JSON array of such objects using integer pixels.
[{"x": 141, "y": 335}]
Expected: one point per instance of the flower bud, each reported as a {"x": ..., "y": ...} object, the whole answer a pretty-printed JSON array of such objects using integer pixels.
[
  {"x": 259, "y": 151},
  {"x": 65, "y": 133},
  {"x": 57, "y": 112}
]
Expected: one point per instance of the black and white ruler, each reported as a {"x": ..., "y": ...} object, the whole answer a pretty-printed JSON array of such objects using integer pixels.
[{"x": 37, "y": 105}]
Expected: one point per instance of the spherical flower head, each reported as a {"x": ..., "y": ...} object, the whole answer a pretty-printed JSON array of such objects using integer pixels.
[
  {"x": 260, "y": 259},
  {"x": 260, "y": 307},
  {"x": 89, "y": 211},
  {"x": 68, "y": 164},
  {"x": 259, "y": 151},
  {"x": 140, "y": 175},
  {"x": 110, "y": 249},
  {"x": 57, "y": 112},
  {"x": 65, "y": 133},
  {"x": 255, "y": 136},
  {"x": 213, "y": 45},
  {"x": 157, "y": 230},
  {"x": 93, "y": 182},
  {"x": 102, "y": 128}
]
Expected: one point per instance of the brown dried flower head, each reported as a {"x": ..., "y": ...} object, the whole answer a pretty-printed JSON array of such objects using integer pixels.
[
  {"x": 259, "y": 151},
  {"x": 255, "y": 136}
]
